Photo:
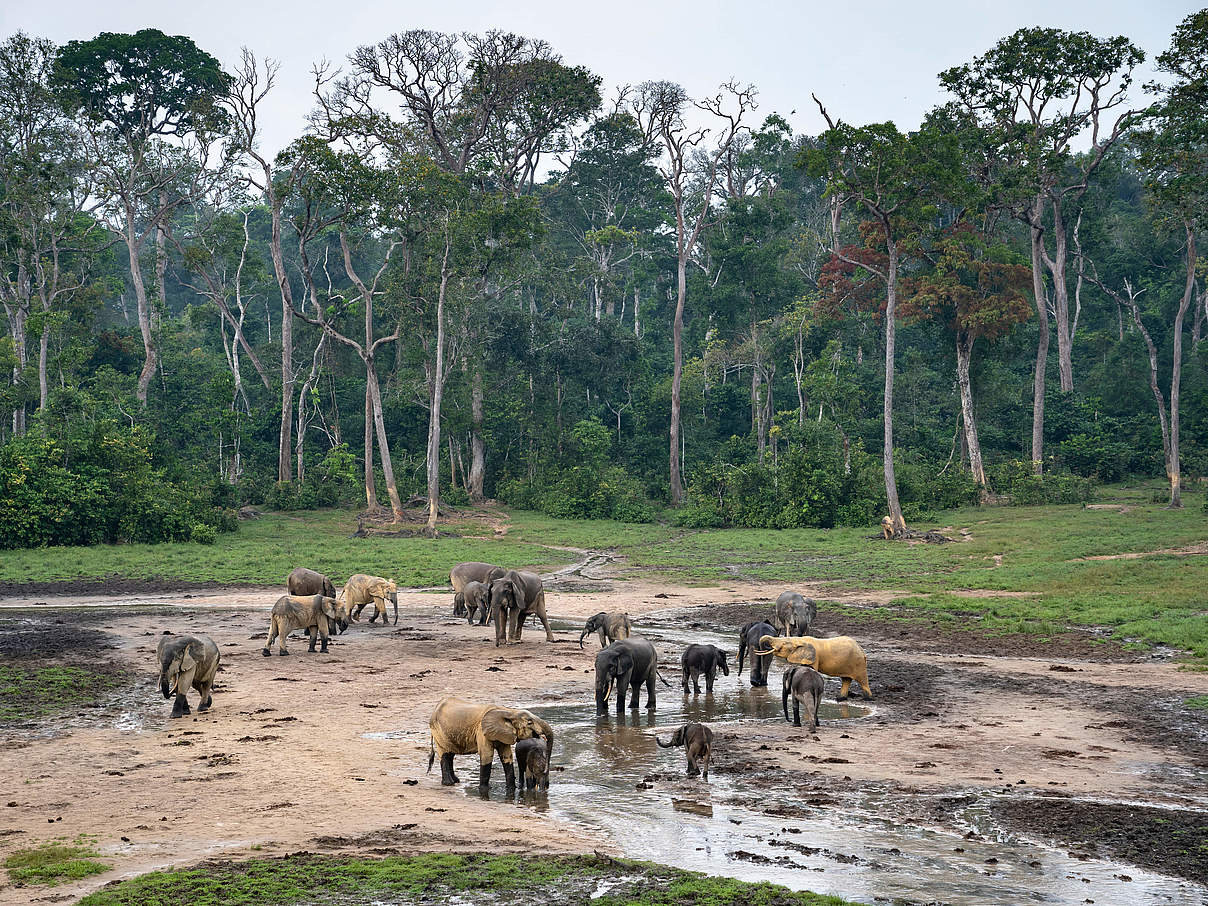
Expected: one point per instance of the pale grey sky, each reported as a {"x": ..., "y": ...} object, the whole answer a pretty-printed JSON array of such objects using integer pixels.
[{"x": 870, "y": 61}]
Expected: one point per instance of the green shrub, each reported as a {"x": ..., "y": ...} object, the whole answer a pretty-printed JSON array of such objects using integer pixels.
[
  {"x": 202, "y": 533},
  {"x": 1025, "y": 488}
]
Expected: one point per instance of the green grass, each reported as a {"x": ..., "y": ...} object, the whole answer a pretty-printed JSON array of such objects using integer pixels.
[
  {"x": 510, "y": 879},
  {"x": 53, "y": 863},
  {"x": 1197, "y": 703},
  {"x": 31, "y": 692}
]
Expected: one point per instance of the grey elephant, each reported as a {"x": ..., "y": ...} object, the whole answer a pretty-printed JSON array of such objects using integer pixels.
[
  {"x": 612, "y": 627},
  {"x": 702, "y": 659},
  {"x": 627, "y": 664},
  {"x": 315, "y": 614},
  {"x": 795, "y": 614},
  {"x": 471, "y": 571},
  {"x": 304, "y": 581},
  {"x": 697, "y": 740},
  {"x": 187, "y": 661},
  {"x": 748, "y": 637},
  {"x": 532, "y": 765},
  {"x": 513, "y": 598},
  {"x": 459, "y": 727},
  {"x": 805, "y": 686},
  {"x": 474, "y": 598}
]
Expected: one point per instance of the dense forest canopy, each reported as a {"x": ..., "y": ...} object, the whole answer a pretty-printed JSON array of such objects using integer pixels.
[{"x": 476, "y": 273}]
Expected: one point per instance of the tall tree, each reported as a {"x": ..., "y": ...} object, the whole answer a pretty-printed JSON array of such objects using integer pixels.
[{"x": 133, "y": 94}]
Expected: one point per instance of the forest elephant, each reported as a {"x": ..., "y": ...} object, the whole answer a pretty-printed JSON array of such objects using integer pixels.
[
  {"x": 303, "y": 582},
  {"x": 841, "y": 656},
  {"x": 748, "y": 637},
  {"x": 627, "y": 664},
  {"x": 361, "y": 589},
  {"x": 805, "y": 686},
  {"x": 702, "y": 659},
  {"x": 475, "y": 598},
  {"x": 187, "y": 661},
  {"x": 459, "y": 727},
  {"x": 612, "y": 627},
  {"x": 471, "y": 571},
  {"x": 314, "y": 614},
  {"x": 514, "y": 597},
  {"x": 697, "y": 740},
  {"x": 532, "y": 765},
  {"x": 795, "y": 614}
]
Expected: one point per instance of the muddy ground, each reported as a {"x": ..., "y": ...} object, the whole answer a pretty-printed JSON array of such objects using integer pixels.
[{"x": 1082, "y": 743}]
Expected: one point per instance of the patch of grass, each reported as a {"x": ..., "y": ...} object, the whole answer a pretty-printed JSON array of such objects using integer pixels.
[
  {"x": 53, "y": 863},
  {"x": 510, "y": 879},
  {"x": 1197, "y": 703},
  {"x": 30, "y": 692}
]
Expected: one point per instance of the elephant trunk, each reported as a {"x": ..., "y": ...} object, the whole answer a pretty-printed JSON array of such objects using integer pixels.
[
  {"x": 582, "y": 636},
  {"x": 394, "y": 599},
  {"x": 164, "y": 686},
  {"x": 664, "y": 745}
]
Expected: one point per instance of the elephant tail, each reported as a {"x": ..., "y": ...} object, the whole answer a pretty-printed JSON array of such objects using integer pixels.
[
  {"x": 431, "y": 753},
  {"x": 660, "y": 676}
]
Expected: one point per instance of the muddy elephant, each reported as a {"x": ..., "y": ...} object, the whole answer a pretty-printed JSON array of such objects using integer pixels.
[
  {"x": 513, "y": 598},
  {"x": 794, "y": 614},
  {"x": 303, "y": 582},
  {"x": 361, "y": 589},
  {"x": 748, "y": 637},
  {"x": 459, "y": 727},
  {"x": 697, "y": 740},
  {"x": 475, "y": 598},
  {"x": 841, "y": 656},
  {"x": 612, "y": 627},
  {"x": 471, "y": 571},
  {"x": 627, "y": 664},
  {"x": 187, "y": 661},
  {"x": 316, "y": 615},
  {"x": 702, "y": 659},
  {"x": 532, "y": 765},
  {"x": 805, "y": 686}
]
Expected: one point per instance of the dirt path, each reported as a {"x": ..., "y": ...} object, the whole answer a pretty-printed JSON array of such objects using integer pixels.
[{"x": 329, "y": 752}]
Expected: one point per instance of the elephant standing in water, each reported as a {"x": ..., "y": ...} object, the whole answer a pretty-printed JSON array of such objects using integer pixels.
[
  {"x": 459, "y": 727},
  {"x": 702, "y": 659},
  {"x": 748, "y": 637},
  {"x": 627, "y": 664},
  {"x": 612, "y": 627},
  {"x": 697, "y": 740},
  {"x": 841, "y": 656},
  {"x": 185, "y": 662}
]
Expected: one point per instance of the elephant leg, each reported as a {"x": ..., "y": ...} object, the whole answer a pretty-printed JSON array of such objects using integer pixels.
[
  {"x": 704, "y": 763},
  {"x": 521, "y": 616},
  {"x": 549, "y": 635},
  {"x": 206, "y": 698},
  {"x": 603, "y": 638},
  {"x": 501, "y": 622},
  {"x": 509, "y": 771},
  {"x": 845, "y": 689},
  {"x": 649, "y": 691},
  {"x": 686, "y": 678},
  {"x": 862, "y": 679},
  {"x": 181, "y": 706},
  {"x": 313, "y": 633},
  {"x": 709, "y": 677},
  {"x": 323, "y": 636},
  {"x": 484, "y": 773},
  {"x": 693, "y": 770},
  {"x": 447, "y": 777},
  {"x": 796, "y": 711}
]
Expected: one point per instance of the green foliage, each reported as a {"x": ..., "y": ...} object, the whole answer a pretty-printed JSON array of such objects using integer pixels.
[
  {"x": 53, "y": 863},
  {"x": 32, "y": 692},
  {"x": 1196, "y": 702},
  {"x": 1017, "y": 480},
  {"x": 99, "y": 485}
]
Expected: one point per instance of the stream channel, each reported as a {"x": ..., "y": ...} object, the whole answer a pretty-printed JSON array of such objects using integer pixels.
[{"x": 855, "y": 849}]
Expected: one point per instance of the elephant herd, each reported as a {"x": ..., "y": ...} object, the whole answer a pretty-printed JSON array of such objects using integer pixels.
[{"x": 508, "y": 597}]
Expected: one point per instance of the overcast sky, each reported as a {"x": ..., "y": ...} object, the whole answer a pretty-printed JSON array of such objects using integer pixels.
[{"x": 877, "y": 64}]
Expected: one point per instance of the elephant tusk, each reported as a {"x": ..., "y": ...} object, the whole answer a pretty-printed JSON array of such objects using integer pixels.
[{"x": 762, "y": 653}]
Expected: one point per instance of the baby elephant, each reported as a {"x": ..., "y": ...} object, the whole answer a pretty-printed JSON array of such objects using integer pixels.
[
  {"x": 697, "y": 740},
  {"x": 361, "y": 590},
  {"x": 532, "y": 765},
  {"x": 315, "y": 614},
  {"x": 805, "y": 685},
  {"x": 612, "y": 627},
  {"x": 184, "y": 661},
  {"x": 475, "y": 599},
  {"x": 706, "y": 659}
]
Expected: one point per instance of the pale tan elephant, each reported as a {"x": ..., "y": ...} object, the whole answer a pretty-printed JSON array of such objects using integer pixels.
[{"x": 361, "y": 589}]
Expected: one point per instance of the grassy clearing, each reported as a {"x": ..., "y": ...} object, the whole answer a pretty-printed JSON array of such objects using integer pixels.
[
  {"x": 1197, "y": 703},
  {"x": 33, "y": 692},
  {"x": 439, "y": 877},
  {"x": 54, "y": 863}
]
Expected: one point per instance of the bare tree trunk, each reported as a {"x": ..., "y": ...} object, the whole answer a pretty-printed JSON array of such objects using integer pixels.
[
  {"x": 18, "y": 314},
  {"x": 1176, "y": 371},
  {"x": 150, "y": 353},
  {"x": 379, "y": 423},
  {"x": 303, "y": 397},
  {"x": 1042, "y": 343},
  {"x": 1152, "y": 351},
  {"x": 161, "y": 270},
  {"x": 964, "y": 355},
  {"x": 285, "y": 435},
  {"x": 1061, "y": 299},
  {"x": 437, "y": 386},
  {"x": 371, "y": 503},
  {"x": 891, "y": 304},
  {"x": 478, "y": 459},
  {"x": 43, "y": 359},
  {"x": 677, "y": 371},
  {"x": 637, "y": 315}
]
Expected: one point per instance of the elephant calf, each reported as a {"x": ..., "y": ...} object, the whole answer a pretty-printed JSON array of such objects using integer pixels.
[
  {"x": 187, "y": 661},
  {"x": 475, "y": 598},
  {"x": 532, "y": 765},
  {"x": 315, "y": 614},
  {"x": 612, "y": 627},
  {"x": 795, "y": 614},
  {"x": 702, "y": 659},
  {"x": 697, "y": 740},
  {"x": 459, "y": 727},
  {"x": 471, "y": 571},
  {"x": 805, "y": 685},
  {"x": 361, "y": 589}
]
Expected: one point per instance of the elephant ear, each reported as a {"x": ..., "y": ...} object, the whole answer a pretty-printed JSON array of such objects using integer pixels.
[
  {"x": 188, "y": 659},
  {"x": 518, "y": 591},
  {"x": 498, "y": 725},
  {"x": 624, "y": 664},
  {"x": 325, "y": 604},
  {"x": 805, "y": 654}
]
